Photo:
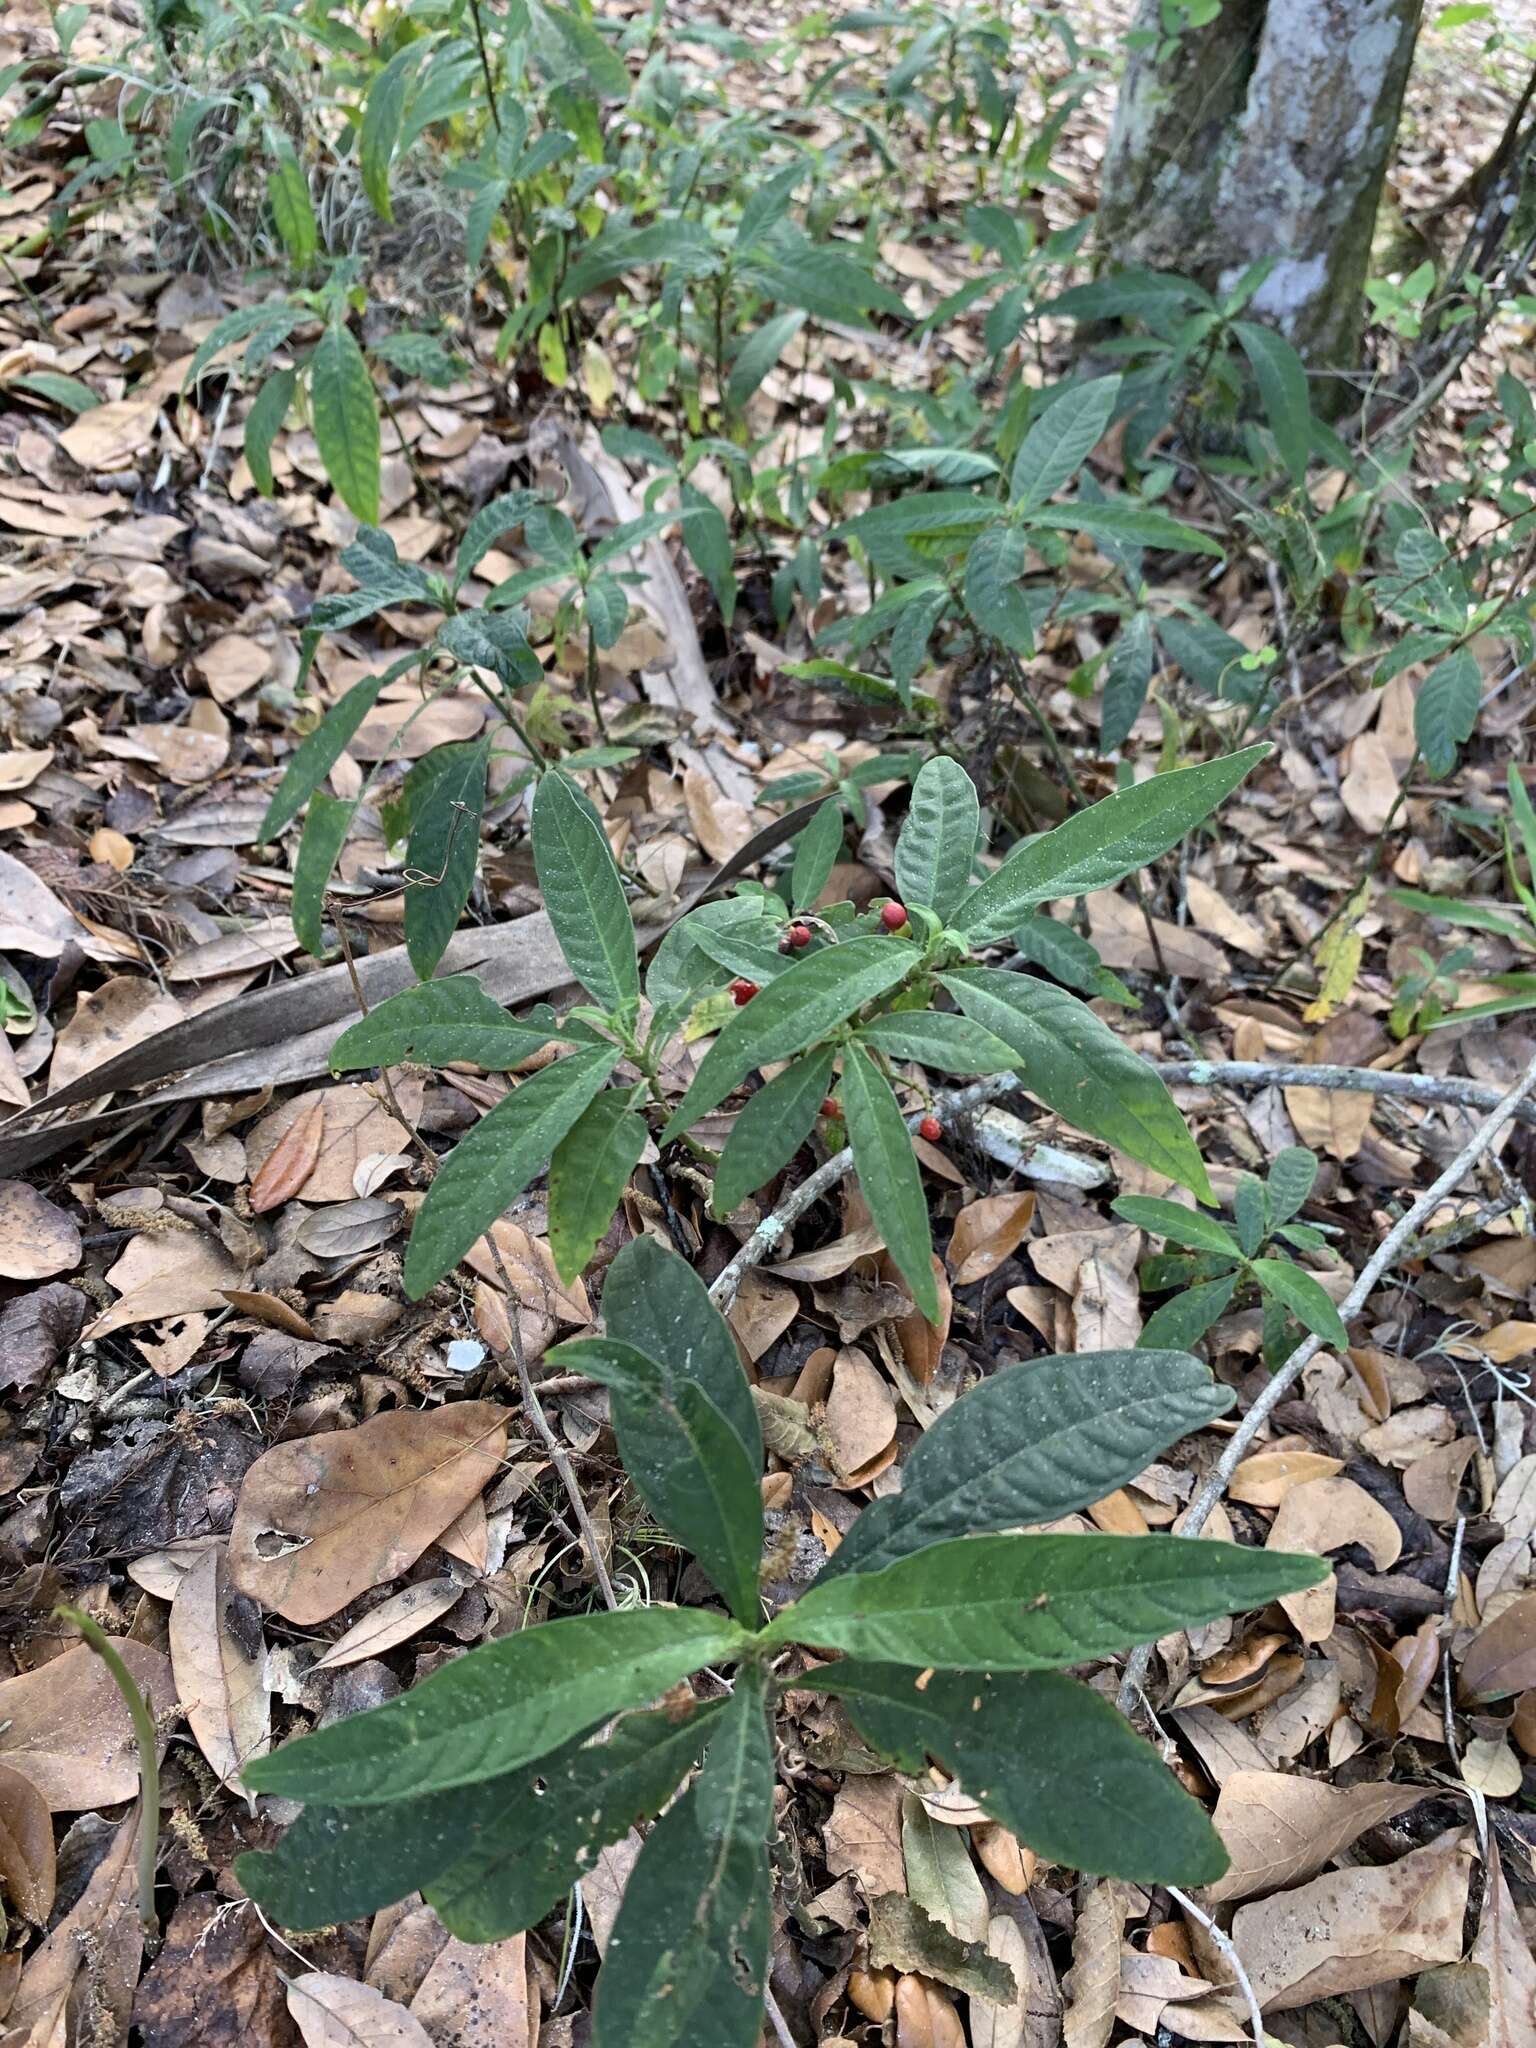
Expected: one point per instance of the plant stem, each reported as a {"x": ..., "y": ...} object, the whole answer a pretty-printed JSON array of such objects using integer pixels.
[
  {"x": 485, "y": 65},
  {"x": 146, "y": 1736},
  {"x": 591, "y": 671}
]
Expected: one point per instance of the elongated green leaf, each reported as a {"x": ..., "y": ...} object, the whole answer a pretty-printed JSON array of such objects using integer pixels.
[
  {"x": 495, "y": 1856},
  {"x": 583, "y": 894},
  {"x": 1445, "y": 709},
  {"x": 263, "y": 422},
  {"x": 1124, "y": 519},
  {"x": 1305, "y": 1296},
  {"x": 772, "y": 1128},
  {"x": 1179, "y": 1225},
  {"x": 994, "y": 596},
  {"x": 816, "y": 852},
  {"x": 292, "y": 213},
  {"x": 758, "y": 354},
  {"x": 1476, "y": 917},
  {"x": 1127, "y": 678},
  {"x": 684, "y": 1456},
  {"x": 497, "y": 641},
  {"x": 1046, "y": 1756},
  {"x": 1061, "y": 440},
  {"x": 937, "y": 843},
  {"x": 501, "y": 1706},
  {"x": 736, "y": 1786},
  {"x": 1033, "y": 1603},
  {"x": 383, "y": 111},
  {"x": 1032, "y": 1443},
  {"x": 71, "y": 393},
  {"x": 940, "y": 1039},
  {"x": 1191, "y": 1312},
  {"x": 440, "y": 1021},
  {"x": 316, "y": 756},
  {"x": 687, "y": 1960},
  {"x": 325, "y": 828},
  {"x": 1100, "y": 846},
  {"x": 903, "y": 536},
  {"x": 1073, "y": 1062},
  {"x": 889, "y": 1175},
  {"x": 588, "y": 1171},
  {"x": 487, "y": 527},
  {"x": 1070, "y": 958},
  {"x": 607, "y": 608},
  {"x": 655, "y": 1301},
  {"x": 346, "y": 421},
  {"x": 1292, "y": 1177},
  {"x": 1282, "y": 380},
  {"x": 803, "y": 1004},
  {"x": 443, "y": 851},
  {"x": 490, "y": 1167}
]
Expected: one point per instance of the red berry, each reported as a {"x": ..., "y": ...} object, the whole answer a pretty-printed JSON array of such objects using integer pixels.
[
  {"x": 830, "y": 1106},
  {"x": 742, "y": 991},
  {"x": 894, "y": 916},
  {"x": 799, "y": 935},
  {"x": 931, "y": 1129}
]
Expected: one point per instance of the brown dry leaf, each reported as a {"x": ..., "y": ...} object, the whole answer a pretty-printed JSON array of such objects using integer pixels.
[
  {"x": 862, "y": 1835},
  {"x": 21, "y": 766},
  {"x": 292, "y": 1159},
  {"x": 1106, "y": 1300},
  {"x": 33, "y": 920},
  {"x": 1504, "y": 1950},
  {"x": 1149, "y": 1983},
  {"x": 356, "y": 1125},
  {"x": 36, "y": 1329},
  {"x": 264, "y": 943},
  {"x": 92, "y": 1956},
  {"x": 1490, "y": 1766},
  {"x": 1370, "y": 789},
  {"x": 1514, "y": 1505},
  {"x": 109, "y": 436},
  {"x": 1093, "y": 1982},
  {"x": 321, "y": 1520},
  {"x": 215, "y": 1983},
  {"x": 181, "y": 1273},
  {"x": 722, "y": 826},
  {"x": 397, "y": 1619},
  {"x": 231, "y": 665},
  {"x": 1354, "y": 1928},
  {"x": 221, "y": 1679},
  {"x": 831, "y": 1259},
  {"x": 1279, "y": 1830},
  {"x": 1004, "y": 2026},
  {"x": 987, "y": 1232},
  {"x": 338, "y": 2012},
  {"x": 1264, "y": 1480},
  {"x": 1214, "y": 914},
  {"x": 763, "y": 1310},
  {"x": 860, "y": 1414},
  {"x": 124, "y": 1011},
  {"x": 1432, "y": 1485},
  {"x": 1119, "y": 932},
  {"x": 476, "y": 1996},
  {"x": 1501, "y": 1658},
  {"x": 37, "y": 1237},
  {"x": 920, "y": 1342},
  {"x": 1323, "y": 1515},
  {"x": 65, "y": 1727},
  {"x": 26, "y": 1847},
  {"x": 1332, "y": 1121}
]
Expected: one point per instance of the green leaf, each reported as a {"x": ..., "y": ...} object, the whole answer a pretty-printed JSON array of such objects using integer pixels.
[
  {"x": 1476, "y": 917},
  {"x": 892, "y": 533},
  {"x": 807, "y": 1001},
  {"x": 771, "y": 1129},
  {"x": 346, "y": 421},
  {"x": 1185, "y": 1319},
  {"x": 938, "y": 841},
  {"x": 444, "y": 846},
  {"x": 1121, "y": 519},
  {"x": 1033, "y": 1603},
  {"x": 588, "y": 1172},
  {"x": 736, "y": 1786},
  {"x": 1032, "y": 1443},
  {"x": 383, "y": 111},
  {"x": 1179, "y": 1225},
  {"x": 69, "y": 392},
  {"x": 758, "y": 354},
  {"x": 1291, "y": 1180},
  {"x": 1061, "y": 440},
  {"x": 994, "y": 598},
  {"x": 655, "y": 1301},
  {"x": 889, "y": 1175},
  {"x": 1068, "y": 957},
  {"x": 1282, "y": 380},
  {"x": 583, "y": 894},
  {"x": 1445, "y": 710},
  {"x": 1100, "y": 846},
  {"x": 938, "y": 1038},
  {"x": 1071, "y": 1061},
  {"x": 607, "y": 609},
  {"x": 497, "y": 641},
  {"x": 264, "y": 422},
  {"x": 1250, "y": 1213},
  {"x": 325, "y": 829},
  {"x": 1046, "y": 1756},
  {"x": 492, "y": 1165},
  {"x": 495, "y": 1856},
  {"x": 816, "y": 851},
  {"x": 1306, "y": 1298},
  {"x": 487, "y": 527},
  {"x": 1127, "y": 678},
  {"x": 685, "y": 1458},
  {"x": 501, "y": 1706},
  {"x": 707, "y": 537},
  {"x": 687, "y": 1960},
  {"x": 437, "y": 1022},
  {"x": 315, "y": 757},
  {"x": 292, "y": 213}
]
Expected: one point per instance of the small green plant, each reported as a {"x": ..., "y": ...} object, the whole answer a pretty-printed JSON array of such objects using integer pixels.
[
  {"x": 779, "y": 982},
  {"x": 493, "y": 1785},
  {"x": 1221, "y": 1260}
]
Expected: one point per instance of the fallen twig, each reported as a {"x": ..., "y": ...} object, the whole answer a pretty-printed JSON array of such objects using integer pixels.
[
  {"x": 1428, "y": 1088},
  {"x": 1229, "y": 1954},
  {"x": 1380, "y": 1261}
]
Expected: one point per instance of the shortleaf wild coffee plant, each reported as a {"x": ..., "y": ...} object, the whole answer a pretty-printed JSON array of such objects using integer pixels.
[{"x": 493, "y": 1785}]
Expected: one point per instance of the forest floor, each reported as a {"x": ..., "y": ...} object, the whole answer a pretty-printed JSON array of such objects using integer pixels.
[{"x": 201, "y": 1248}]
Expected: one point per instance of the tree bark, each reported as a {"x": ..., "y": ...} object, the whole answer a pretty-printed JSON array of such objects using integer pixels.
[{"x": 1265, "y": 133}]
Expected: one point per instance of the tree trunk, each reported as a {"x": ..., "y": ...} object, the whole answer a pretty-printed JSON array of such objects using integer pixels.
[{"x": 1265, "y": 133}]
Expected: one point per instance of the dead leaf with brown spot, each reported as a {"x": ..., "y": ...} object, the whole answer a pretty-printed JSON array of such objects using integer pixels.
[
  {"x": 1324, "y": 1515},
  {"x": 291, "y": 1160},
  {"x": 220, "y": 1665},
  {"x": 322, "y": 1519},
  {"x": 477, "y": 1996},
  {"x": 91, "y": 1957},
  {"x": 986, "y": 1232},
  {"x": 356, "y": 1125},
  {"x": 1279, "y": 1829},
  {"x": 1503, "y": 1948},
  {"x": 26, "y": 1847},
  {"x": 65, "y": 1728},
  {"x": 125, "y": 1011},
  {"x": 215, "y": 1983},
  {"x": 37, "y": 1237}
]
